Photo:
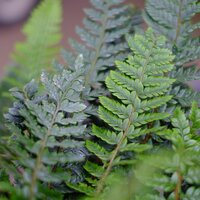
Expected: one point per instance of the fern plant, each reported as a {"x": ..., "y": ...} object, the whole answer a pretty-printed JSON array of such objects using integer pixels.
[
  {"x": 50, "y": 153},
  {"x": 173, "y": 19},
  {"x": 103, "y": 36},
  {"x": 138, "y": 89},
  {"x": 42, "y": 33},
  {"x": 47, "y": 131}
]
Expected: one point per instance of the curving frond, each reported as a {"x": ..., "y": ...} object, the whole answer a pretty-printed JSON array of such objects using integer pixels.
[
  {"x": 48, "y": 137},
  {"x": 139, "y": 89}
]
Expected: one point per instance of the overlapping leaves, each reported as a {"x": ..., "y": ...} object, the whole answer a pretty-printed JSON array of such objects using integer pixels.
[
  {"x": 103, "y": 36},
  {"x": 173, "y": 19},
  {"x": 176, "y": 173},
  {"x": 138, "y": 89},
  {"x": 48, "y": 134}
]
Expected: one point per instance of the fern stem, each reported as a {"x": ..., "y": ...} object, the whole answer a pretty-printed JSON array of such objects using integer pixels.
[
  {"x": 178, "y": 22},
  {"x": 178, "y": 186},
  {"x": 114, "y": 154},
  {"x": 98, "y": 48}
]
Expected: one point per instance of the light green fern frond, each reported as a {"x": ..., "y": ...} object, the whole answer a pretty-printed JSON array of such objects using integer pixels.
[
  {"x": 139, "y": 89},
  {"x": 176, "y": 175},
  {"x": 42, "y": 33}
]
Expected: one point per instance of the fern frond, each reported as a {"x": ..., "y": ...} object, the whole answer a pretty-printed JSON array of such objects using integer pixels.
[
  {"x": 9, "y": 192},
  {"x": 173, "y": 19},
  {"x": 47, "y": 135},
  {"x": 126, "y": 114},
  {"x": 42, "y": 32},
  {"x": 103, "y": 36},
  {"x": 43, "y": 35}
]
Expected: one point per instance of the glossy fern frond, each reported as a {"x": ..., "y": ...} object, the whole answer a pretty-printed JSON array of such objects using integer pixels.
[
  {"x": 48, "y": 134},
  {"x": 103, "y": 42},
  {"x": 42, "y": 37},
  {"x": 139, "y": 89},
  {"x": 173, "y": 19}
]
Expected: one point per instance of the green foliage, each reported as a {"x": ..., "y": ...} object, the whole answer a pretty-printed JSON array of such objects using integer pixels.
[
  {"x": 47, "y": 135},
  {"x": 136, "y": 148},
  {"x": 138, "y": 90},
  {"x": 173, "y": 19},
  {"x": 171, "y": 173},
  {"x": 177, "y": 175},
  {"x": 42, "y": 33},
  {"x": 182, "y": 168},
  {"x": 8, "y": 192},
  {"x": 103, "y": 36}
]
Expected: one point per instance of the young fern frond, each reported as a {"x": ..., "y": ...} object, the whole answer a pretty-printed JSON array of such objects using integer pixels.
[
  {"x": 173, "y": 19},
  {"x": 103, "y": 34},
  {"x": 42, "y": 34},
  {"x": 48, "y": 134},
  {"x": 138, "y": 89},
  {"x": 176, "y": 174}
]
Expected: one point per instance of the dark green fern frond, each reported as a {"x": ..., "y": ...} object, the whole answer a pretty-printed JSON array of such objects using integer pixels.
[
  {"x": 48, "y": 130},
  {"x": 173, "y": 19},
  {"x": 42, "y": 34},
  {"x": 139, "y": 89},
  {"x": 103, "y": 36}
]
